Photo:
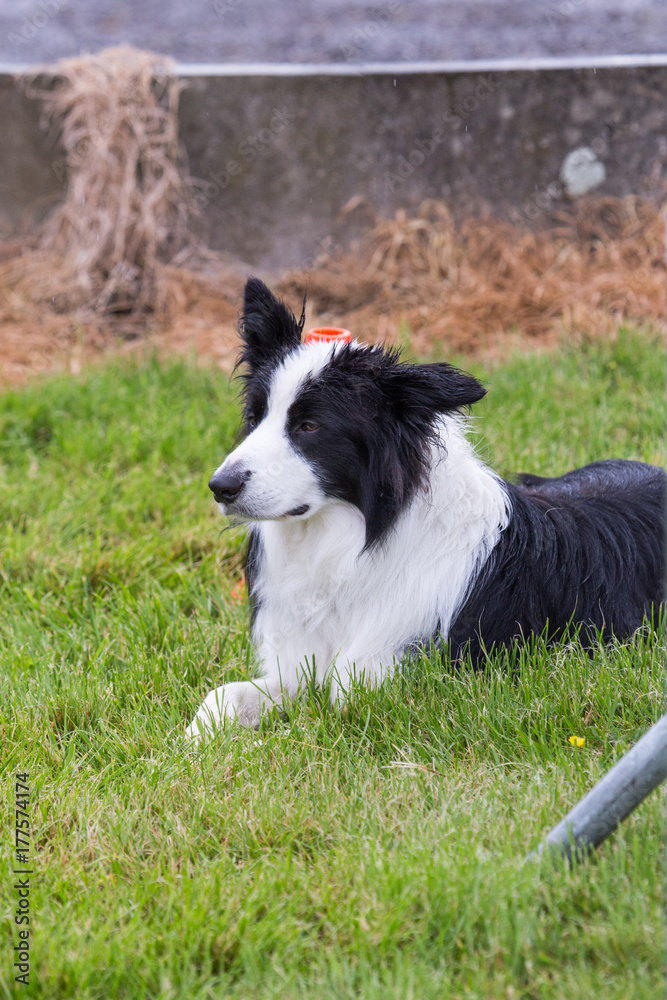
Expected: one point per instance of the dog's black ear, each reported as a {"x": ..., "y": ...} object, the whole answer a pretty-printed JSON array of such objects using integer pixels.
[
  {"x": 420, "y": 391},
  {"x": 413, "y": 398},
  {"x": 268, "y": 327}
]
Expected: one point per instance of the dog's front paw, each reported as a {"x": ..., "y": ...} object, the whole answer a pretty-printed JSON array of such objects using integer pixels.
[
  {"x": 210, "y": 715},
  {"x": 241, "y": 702}
]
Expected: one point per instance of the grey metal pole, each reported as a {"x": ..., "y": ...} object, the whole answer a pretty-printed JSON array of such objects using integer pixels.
[{"x": 613, "y": 798}]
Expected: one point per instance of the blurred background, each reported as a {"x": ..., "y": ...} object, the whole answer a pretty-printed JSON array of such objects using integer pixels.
[
  {"x": 456, "y": 176},
  {"x": 335, "y": 30}
]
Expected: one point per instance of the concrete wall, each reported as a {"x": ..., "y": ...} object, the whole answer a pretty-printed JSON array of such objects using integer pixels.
[{"x": 279, "y": 155}]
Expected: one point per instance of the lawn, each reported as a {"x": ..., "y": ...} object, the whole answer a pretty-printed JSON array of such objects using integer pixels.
[{"x": 374, "y": 851}]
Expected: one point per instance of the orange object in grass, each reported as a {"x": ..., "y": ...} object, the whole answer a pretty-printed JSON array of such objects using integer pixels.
[
  {"x": 327, "y": 334},
  {"x": 239, "y": 592}
]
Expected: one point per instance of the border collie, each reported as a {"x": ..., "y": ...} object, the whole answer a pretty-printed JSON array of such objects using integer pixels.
[{"x": 375, "y": 528}]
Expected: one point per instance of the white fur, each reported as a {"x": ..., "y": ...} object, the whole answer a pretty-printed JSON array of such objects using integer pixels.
[
  {"x": 281, "y": 478},
  {"x": 326, "y": 605}
]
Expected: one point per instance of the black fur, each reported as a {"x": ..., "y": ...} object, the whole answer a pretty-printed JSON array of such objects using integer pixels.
[
  {"x": 269, "y": 328},
  {"x": 376, "y": 419},
  {"x": 253, "y": 567},
  {"x": 585, "y": 549},
  {"x": 270, "y": 331},
  {"x": 375, "y": 414}
]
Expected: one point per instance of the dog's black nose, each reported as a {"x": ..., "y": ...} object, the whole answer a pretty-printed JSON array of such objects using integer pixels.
[{"x": 226, "y": 486}]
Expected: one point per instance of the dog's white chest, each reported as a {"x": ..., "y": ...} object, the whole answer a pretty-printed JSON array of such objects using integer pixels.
[
  {"x": 309, "y": 572},
  {"x": 324, "y": 599}
]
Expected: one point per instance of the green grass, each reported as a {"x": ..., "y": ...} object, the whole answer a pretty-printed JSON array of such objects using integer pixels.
[{"x": 374, "y": 851}]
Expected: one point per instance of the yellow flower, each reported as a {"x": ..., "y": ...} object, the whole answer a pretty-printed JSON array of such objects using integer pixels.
[{"x": 576, "y": 741}]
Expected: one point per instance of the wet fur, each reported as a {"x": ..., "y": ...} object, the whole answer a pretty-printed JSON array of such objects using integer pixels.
[{"x": 408, "y": 537}]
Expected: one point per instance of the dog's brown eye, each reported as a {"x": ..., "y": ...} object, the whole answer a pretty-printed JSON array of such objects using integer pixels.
[
  {"x": 252, "y": 422},
  {"x": 308, "y": 426}
]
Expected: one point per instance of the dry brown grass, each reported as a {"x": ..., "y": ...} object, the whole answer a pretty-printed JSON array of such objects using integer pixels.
[
  {"x": 491, "y": 283},
  {"x": 106, "y": 270},
  {"x": 128, "y": 201},
  {"x": 485, "y": 289},
  {"x": 198, "y": 319},
  {"x": 103, "y": 272}
]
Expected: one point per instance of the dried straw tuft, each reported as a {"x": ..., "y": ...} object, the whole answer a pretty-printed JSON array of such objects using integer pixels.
[
  {"x": 471, "y": 288},
  {"x": 128, "y": 200}
]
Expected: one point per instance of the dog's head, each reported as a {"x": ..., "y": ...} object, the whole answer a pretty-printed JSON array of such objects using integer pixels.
[{"x": 330, "y": 422}]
